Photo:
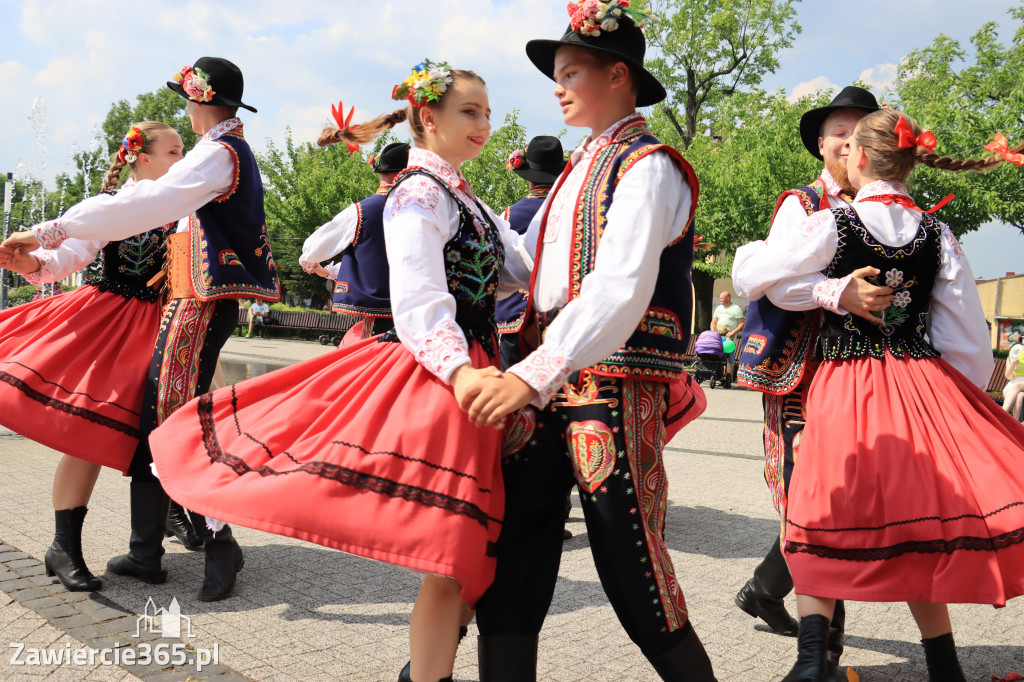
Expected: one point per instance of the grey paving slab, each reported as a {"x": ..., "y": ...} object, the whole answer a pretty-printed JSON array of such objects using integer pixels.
[{"x": 303, "y": 612}]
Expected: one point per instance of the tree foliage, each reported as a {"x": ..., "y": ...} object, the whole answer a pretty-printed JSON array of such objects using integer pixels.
[{"x": 486, "y": 174}]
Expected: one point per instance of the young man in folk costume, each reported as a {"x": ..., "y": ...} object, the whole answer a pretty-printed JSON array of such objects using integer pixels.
[
  {"x": 219, "y": 254},
  {"x": 611, "y": 296},
  {"x": 357, "y": 233},
  {"x": 777, "y": 354}
]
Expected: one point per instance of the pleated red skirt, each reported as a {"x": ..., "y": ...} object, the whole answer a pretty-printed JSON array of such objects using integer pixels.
[
  {"x": 908, "y": 486},
  {"x": 73, "y": 370},
  {"x": 360, "y": 449}
]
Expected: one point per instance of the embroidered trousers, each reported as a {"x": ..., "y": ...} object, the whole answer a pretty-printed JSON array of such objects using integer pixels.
[
  {"x": 784, "y": 419},
  {"x": 606, "y": 434},
  {"x": 184, "y": 360}
]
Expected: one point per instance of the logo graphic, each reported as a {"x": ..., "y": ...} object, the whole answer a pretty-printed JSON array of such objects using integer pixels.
[{"x": 170, "y": 620}]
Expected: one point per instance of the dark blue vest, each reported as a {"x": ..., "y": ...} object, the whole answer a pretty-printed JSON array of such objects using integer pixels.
[
  {"x": 656, "y": 349},
  {"x": 362, "y": 287},
  {"x": 230, "y": 249},
  {"x": 778, "y": 343},
  {"x": 510, "y": 311}
]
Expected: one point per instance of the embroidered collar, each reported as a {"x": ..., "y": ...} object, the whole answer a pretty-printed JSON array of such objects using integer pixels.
[
  {"x": 832, "y": 187},
  {"x": 223, "y": 127},
  {"x": 384, "y": 189},
  {"x": 539, "y": 192},
  {"x": 633, "y": 123},
  {"x": 435, "y": 164},
  {"x": 881, "y": 188}
]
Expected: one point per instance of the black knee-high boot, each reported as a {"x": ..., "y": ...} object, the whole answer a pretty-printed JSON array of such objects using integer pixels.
[
  {"x": 762, "y": 596},
  {"x": 146, "y": 543},
  {"x": 64, "y": 557},
  {"x": 812, "y": 649},
  {"x": 941, "y": 659},
  {"x": 179, "y": 526},
  {"x": 223, "y": 562},
  {"x": 836, "y": 635}
]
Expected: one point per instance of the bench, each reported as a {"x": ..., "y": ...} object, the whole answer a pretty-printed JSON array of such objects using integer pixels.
[
  {"x": 325, "y": 323},
  {"x": 997, "y": 382}
]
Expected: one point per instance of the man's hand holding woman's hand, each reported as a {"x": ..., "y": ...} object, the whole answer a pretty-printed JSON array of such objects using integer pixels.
[
  {"x": 488, "y": 395},
  {"x": 16, "y": 259}
]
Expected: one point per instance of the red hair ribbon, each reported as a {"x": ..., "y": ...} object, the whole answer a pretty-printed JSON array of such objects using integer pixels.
[
  {"x": 1001, "y": 146},
  {"x": 904, "y": 200},
  {"x": 907, "y": 138},
  {"x": 338, "y": 112}
]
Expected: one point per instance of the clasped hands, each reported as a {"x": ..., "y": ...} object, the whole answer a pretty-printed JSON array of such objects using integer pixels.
[
  {"x": 488, "y": 395},
  {"x": 17, "y": 259}
]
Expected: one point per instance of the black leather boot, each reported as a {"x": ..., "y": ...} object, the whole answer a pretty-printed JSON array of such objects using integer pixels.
[
  {"x": 404, "y": 675},
  {"x": 146, "y": 543},
  {"x": 64, "y": 557},
  {"x": 836, "y": 635},
  {"x": 223, "y": 562},
  {"x": 941, "y": 659},
  {"x": 180, "y": 527},
  {"x": 762, "y": 596},
  {"x": 687, "y": 660},
  {"x": 507, "y": 658},
  {"x": 812, "y": 648}
]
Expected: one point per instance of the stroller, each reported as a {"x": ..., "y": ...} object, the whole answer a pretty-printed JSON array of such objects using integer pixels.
[{"x": 711, "y": 362}]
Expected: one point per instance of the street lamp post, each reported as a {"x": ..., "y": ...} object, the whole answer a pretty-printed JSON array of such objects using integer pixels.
[{"x": 8, "y": 186}]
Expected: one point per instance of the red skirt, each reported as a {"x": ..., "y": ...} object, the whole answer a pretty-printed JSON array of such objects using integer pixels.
[
  {"x": 908, "y": 486},
  {"x": 360, "y": 449},
  {"x": 73, "y": 370}
]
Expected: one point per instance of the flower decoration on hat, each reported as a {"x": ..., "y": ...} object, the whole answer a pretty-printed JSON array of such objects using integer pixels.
[
  {"x": 338, "y": 112},
  {"x": 590, "y": 17},
  {"x": 428, "y": 82},
  {"x": 908, "y": 140},
  {"x": 372, "y": 161},
  {"x": 195, "y": 83},
  {"x": 131, "y": 145},
  {"x": 515, "y": 160},
  {"x": 1001, "y": 146}
]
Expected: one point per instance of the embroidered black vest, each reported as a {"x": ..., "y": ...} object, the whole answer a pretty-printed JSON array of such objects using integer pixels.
[
  {"x": 362, "y": 287},
  {"x": 777, "y": 342},
  {"x": 510, "y": 311},
  {"x": 909, "y": 269},
  {"x": 473, "y": 261},
  {"x": 230, "y": 249},
  {"x": 656, "y": 348}
]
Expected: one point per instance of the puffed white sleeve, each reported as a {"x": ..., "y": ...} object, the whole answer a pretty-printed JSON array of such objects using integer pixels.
[
  {"x": 417, "y": 224},
  {"x": 614, "y": 296},
  {"x": 788, "y": 266},
  {"x": 956, "y": 321},
  {"x": 206, "y": 173},
  {"x": 68, "y": 258},
  {"x": 518, "y": 260},
  {"x": 329, "y": 239}
]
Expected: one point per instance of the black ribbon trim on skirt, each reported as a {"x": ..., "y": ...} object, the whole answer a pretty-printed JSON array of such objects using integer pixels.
[
  {"x": 68, "y": 408},
  {"x": 334, "y": 472},
  {"x": 940, "y": 519},
  {"x": 969, "y": 543}
]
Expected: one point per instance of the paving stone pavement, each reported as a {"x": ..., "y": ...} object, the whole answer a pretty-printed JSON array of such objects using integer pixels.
[{"x": 303, "y": 612}]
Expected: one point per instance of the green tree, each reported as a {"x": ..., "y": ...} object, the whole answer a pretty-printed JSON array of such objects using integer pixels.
[
  {"x": 486, "y": 174},
  {"x": 965, "y": 97},
  {"x": 707, "y": 52}
]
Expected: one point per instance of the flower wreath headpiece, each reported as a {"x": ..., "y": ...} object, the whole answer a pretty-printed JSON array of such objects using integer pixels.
[
  {"x": 428, "y": 82},
  {"x": 590, "y": 17},
  {"x": 131, "y": 145},
  {"x": 195, "y": 83},
  {"x": 515, "y": 160}
]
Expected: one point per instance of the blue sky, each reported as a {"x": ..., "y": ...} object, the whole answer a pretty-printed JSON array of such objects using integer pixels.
[{"x": 80, "y": 56}]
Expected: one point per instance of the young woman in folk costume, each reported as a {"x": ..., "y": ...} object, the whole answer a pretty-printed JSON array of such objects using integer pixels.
[
  {"x": 50, "y": 352},
  {"x": 913, "y": 421},
  {"x": 374, "y": 430}
]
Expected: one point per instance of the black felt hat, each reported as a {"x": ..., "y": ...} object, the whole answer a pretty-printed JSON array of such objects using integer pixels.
[
  {"x": 393, "y": 158},
  {"x": 544, "y": 161},
  {"x": 626, "y": 42},
  {"x": 851, "y": 97},
  {"x": 223, "y": 78}
]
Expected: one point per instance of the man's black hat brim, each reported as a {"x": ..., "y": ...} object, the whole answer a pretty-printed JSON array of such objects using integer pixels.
[
  {"x": 851, "y": 97},
  {"x": 538, "y": 176}
]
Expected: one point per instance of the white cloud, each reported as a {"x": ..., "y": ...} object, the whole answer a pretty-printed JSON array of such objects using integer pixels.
[
  {"x": 810, "y": 87},
  {"x": 881, "y": 77}
]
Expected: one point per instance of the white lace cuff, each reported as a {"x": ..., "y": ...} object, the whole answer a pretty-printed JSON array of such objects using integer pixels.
[
  {"x": 50, "y": 234},
  {"x": 332, "y": 270},
  {"x": 545, "y": 370},
  {"x": 36, "y": 278},
  {"x": 307, "y": 266},
  {"x": 443, "y": 350},
  {"x": 827, "y": 293}
]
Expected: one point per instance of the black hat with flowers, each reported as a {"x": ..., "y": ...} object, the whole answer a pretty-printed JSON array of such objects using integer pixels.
[
  {"x": 211, "y": 80},
  {"x": 393, "y": 158},
  {"x": 607, "y": 26},
  {"x": 543, "y": 162}
]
